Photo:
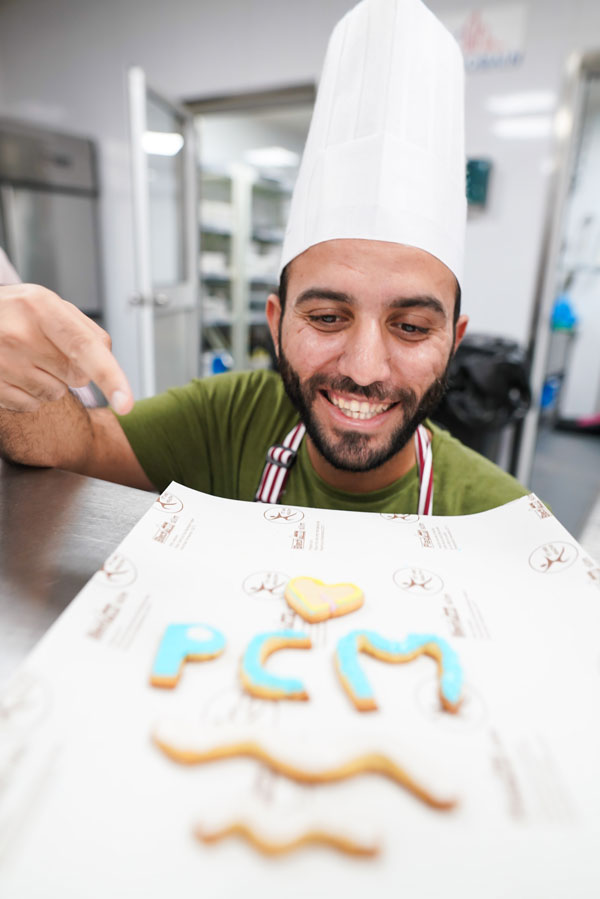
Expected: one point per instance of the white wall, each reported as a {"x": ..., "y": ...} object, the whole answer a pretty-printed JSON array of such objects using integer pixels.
[{"x": 63, "y": 62}]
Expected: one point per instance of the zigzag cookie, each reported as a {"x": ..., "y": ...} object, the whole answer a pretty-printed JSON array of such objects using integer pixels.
[
  {"x": 183, "y": 643},
  {"x": 315, "y": 600},
  {"x": 355, "y": 681},
  {"x": 273, "y": 845},
  {"x": 326, "y": 761},
  {"x": 257, "y": 681},
  {"x": 276, "y": 829}
]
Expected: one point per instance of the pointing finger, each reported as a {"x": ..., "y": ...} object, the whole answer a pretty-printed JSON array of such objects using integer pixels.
[{"x": 87, "y": 354}]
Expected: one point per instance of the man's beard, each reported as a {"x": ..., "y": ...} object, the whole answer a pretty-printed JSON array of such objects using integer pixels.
[{"x": 352, "y": 451}]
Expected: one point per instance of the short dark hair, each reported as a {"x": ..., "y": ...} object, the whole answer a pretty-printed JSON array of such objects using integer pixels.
[{"x": 283, "y": 285}]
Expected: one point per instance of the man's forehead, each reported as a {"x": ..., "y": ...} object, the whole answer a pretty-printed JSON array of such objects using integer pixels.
[{"x": 397, "y": 272}]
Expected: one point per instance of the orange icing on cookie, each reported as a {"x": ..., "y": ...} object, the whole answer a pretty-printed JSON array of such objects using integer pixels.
[{"x": 315, "y": 600}]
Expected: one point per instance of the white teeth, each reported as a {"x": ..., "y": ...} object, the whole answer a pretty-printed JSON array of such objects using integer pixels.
[{"x": 358, "y": 410}]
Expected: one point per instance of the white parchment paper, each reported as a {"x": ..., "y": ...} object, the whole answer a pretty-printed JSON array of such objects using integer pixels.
[{"x": 91, "y": 808}]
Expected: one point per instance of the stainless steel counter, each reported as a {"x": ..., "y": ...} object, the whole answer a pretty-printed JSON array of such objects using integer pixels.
[{"x": 56, "y": 529}]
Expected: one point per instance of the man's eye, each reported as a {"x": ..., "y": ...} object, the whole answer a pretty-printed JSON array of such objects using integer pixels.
[
  {"x": 324, "y": 319},
  {"x": 412, "y": 330}
]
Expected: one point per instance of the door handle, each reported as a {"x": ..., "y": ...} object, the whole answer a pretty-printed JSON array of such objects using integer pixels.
[{"x": 159, "y": 299}]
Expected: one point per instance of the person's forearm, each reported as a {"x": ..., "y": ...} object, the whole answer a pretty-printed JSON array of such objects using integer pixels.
[
  {"x": 47, "y": 344},
  {"x": 57, "y": 435}
]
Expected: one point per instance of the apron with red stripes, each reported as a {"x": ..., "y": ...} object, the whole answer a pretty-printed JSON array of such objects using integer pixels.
[{"x": 282, "y": 456}]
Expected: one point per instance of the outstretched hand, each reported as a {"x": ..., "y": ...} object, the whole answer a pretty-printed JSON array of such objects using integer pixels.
[{"x": 48, "y": 345}]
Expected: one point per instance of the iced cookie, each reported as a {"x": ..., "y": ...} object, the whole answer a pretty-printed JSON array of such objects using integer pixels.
[
  {"x": 255, "y": 678},
  {"x": 183, "y": 643},
  {"x": 315, "y": 600},
  {"x": 356, "y": 683}
]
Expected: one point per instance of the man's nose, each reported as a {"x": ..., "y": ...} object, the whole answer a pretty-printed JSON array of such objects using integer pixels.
[{"x": 365, "y": 357}]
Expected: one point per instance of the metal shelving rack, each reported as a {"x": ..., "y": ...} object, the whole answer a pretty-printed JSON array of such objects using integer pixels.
[{"x": 242, "y": 219}]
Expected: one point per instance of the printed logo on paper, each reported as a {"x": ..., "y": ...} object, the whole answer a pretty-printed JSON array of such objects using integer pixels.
[
  {"x": 265, "y": 583},
  {"x": 165, "y": 528},
  {"x": 168, "y": 502},
  {"x": 299, "y": 536},
  {"x": 283, "y": 513},
  {"x": 390, "y": 516},
  {"x": 118, "y": 571},
  {"x": 418, "y": 581},
  {"x": 553, "y": 557},
  {"x": 424, "y": 536},
  {"x": 593, "y": 572},
  {"x": 537, "y": 506},
  {"x": 455, "y": 624}
]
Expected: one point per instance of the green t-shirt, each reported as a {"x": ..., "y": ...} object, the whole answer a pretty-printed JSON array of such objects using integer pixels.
[{"x": 213, "y": 435}]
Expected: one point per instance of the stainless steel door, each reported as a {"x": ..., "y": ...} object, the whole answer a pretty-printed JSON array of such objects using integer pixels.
[
  {"x": 52, "y": 239},
  {"x": 48, "y": 211},
  {"x": 166, "y": 236}
]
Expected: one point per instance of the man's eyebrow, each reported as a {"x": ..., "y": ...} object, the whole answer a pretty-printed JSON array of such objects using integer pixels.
[
  {"x": 337, "y": 296},
  {"x": 425, "y": 302},
  {"x": 324, "y": 293}
]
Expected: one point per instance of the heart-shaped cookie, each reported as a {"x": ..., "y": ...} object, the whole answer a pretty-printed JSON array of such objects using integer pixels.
[{"x": 315, "y": 600}]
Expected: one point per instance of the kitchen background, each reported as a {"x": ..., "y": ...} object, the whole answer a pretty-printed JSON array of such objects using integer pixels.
[{"x": 245, "y": 72}]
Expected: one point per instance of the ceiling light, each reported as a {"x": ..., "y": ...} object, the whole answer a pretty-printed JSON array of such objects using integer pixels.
[
  {"x": 563, "y": 123},
  {"x": 523, "y": 127},
  {"x": 162, "y": 143},
  {"x": 272, "y": 157},
  {"x": 522, "y": 103}
]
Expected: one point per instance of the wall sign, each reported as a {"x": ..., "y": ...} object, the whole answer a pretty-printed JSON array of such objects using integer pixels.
[{"x": 490, "y": 37}]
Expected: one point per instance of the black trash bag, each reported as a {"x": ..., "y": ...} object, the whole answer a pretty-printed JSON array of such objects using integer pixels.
[{"x": 488, "y": 389}]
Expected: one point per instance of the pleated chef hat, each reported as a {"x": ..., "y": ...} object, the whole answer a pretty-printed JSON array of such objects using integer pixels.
[{"x": 384, "y": 157}]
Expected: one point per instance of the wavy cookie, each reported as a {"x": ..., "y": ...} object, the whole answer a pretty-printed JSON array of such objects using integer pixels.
[
  {"x": 255, "y": 678},
  {"x": 355, "y": 681},
  {"x": 294, "y": 756},
  {"x": 272, "y": 843},
  {"x": 183, "y": 643},
  {"x": 315, "y": 600}
]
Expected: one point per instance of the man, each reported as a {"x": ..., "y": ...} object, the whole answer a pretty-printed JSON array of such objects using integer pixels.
[{"x": 364, "y": 325}]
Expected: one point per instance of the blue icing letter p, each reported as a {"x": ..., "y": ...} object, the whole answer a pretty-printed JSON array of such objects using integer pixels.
[{"x": 183, "y": 643}]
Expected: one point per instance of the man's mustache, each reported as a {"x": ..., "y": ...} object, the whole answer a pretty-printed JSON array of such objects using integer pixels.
[{"x": 375, "y": 391}]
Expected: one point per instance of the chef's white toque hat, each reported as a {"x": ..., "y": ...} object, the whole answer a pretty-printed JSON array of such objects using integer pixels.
[{"x": 384, "y": 158}]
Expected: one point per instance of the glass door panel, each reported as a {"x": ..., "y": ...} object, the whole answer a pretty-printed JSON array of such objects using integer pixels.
[{"x": 164, "y": 157}]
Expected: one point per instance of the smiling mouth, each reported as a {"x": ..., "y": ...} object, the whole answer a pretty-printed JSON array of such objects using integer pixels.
[{"x": 359, "y": 410}]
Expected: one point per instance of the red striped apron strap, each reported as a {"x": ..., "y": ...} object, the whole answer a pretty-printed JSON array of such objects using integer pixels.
[
  {"x": 424, "y": 454},
  {"x": 280, "y": 459}
]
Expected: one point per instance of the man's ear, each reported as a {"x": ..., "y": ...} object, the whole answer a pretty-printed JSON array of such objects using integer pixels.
[
  {"x": 273, "y": 313},
  {"x": 461, "y": 327}
]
